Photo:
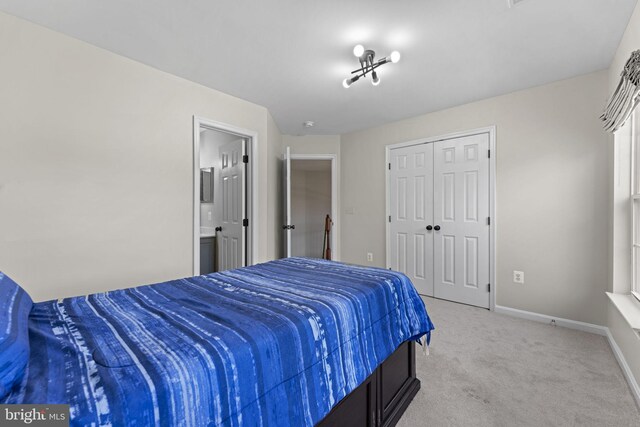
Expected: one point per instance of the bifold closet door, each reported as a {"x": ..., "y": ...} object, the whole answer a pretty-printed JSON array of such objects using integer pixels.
[
  {"x": 411, "y": 202},
  {"x": 461, "y": 212}
]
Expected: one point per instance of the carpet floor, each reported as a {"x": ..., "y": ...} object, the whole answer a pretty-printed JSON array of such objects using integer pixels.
[{"x": 488, "y": 369}]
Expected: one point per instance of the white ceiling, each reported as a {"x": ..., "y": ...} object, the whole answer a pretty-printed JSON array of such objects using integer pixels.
[{"x": 292, "y": 55}]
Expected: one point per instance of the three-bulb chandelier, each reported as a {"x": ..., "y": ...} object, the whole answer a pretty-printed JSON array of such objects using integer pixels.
[{"x": 367, "y": 65}]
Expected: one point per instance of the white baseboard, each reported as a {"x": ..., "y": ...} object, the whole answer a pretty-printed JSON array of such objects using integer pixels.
[
  {"x": 543, "y": 318},
  {"x": 585, "y": 327},
  {"x": 626, "y": 370}
]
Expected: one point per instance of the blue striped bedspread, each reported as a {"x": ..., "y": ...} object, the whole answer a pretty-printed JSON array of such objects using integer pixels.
[{"x": 275, "y": 344}]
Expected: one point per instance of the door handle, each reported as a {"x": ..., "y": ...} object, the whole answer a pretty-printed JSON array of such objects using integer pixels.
[
  {"x": 437, "y": 228},
  {"x": 218, "y": 229},
  {"x": 429, "y": 227}
]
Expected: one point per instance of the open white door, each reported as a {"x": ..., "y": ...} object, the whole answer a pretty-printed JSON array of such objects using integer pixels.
[
  {"x": 286, "y": 192},
  {"x": 231, "y": 236}
]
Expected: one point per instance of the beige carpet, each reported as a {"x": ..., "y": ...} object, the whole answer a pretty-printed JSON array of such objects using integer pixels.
[{"x": 487, "y": 369}]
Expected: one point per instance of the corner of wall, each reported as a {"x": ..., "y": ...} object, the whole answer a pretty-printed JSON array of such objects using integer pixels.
[{"x": 274, "y": 176}]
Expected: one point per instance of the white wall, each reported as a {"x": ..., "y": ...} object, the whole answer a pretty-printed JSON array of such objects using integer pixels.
[
  {"x": 619, "y": 244},
  {"x": 551, "y": 156},
  {"x": 96, "y": 164}
]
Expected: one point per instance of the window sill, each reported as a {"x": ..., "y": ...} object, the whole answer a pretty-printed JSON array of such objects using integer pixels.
[{"x": 629, "y": 307}]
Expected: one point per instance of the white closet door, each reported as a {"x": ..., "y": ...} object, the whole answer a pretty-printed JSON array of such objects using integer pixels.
[
  {"x": 411, "y": 195},
  {"x": 232, "y": 237},
  {"x": 461, "y": 212}
]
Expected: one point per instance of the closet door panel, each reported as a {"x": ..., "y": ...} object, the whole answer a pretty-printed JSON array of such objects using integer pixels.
[
  {"x": 461, "y": 210},
  {"x": 411, "y": 193}
]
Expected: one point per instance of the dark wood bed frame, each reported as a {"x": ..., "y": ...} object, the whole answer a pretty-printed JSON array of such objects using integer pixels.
[{"x": 382, "y": 398}]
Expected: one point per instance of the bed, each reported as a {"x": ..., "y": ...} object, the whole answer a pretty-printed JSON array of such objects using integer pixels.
[{"x": 284, "y": 343}]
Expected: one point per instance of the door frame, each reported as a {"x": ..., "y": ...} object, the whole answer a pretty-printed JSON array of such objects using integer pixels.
[
  {"x": 335, "y": 252},
  {"x": 251, "y": 186},
  {"x": 491, "y": 130}
]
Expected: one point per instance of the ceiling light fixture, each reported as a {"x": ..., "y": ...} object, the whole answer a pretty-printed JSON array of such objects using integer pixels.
[{"x": 367, "y": 65}]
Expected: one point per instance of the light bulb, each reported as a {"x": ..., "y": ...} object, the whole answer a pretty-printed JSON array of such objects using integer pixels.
[
  {"x": 375, "y": 80},
  {"x": 395, "y": 56},
  {"x": 358, "y": 50},
  {"x": 349, "y": 81}
]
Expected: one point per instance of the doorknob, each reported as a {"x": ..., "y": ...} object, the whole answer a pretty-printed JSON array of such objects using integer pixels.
[
  {"x": 437, "y": 228},
  {"x": 429, "y": 227},
  {"x": 218, "y": 229}
]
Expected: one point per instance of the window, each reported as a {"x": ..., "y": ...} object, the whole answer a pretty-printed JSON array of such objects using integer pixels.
[
  {"x": 625, "y": 286},
  {"x": 635, "y": 202}
]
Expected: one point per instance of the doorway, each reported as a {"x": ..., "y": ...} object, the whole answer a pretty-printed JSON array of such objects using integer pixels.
[
  {"x": 310, "y": 199},
  {"x": 224, "y": 234},
  {"x": 440, "y": 205}
]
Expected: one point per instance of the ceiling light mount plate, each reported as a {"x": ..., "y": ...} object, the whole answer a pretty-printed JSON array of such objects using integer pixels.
[{"x": 511, "y": 3}]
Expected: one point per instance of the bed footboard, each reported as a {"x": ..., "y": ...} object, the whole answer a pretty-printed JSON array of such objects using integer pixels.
[{"x": 382, "y": 398}]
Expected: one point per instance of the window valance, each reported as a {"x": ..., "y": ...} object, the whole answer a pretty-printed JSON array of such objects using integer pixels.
[{"x": 625, "y": 98}]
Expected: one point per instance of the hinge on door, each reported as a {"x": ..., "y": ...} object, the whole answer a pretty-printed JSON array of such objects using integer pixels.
[
  {"x": 389, "y": 166},
  {"x": 389, "y": 218},
  {"x": 488, "y": 287},
  {"x": 245, "y": 222},
  {"x": 245, "y": 158},
  {"x": 489, "y": 153},
  {"x": 488, "y": 220}
]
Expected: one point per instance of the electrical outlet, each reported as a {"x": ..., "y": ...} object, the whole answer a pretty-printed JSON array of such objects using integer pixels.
[
  {"x": 369, "y": 256},
  {"x": 518, "y": 276}
]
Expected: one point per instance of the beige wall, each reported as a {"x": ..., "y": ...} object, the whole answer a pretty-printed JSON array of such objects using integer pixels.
[
  {"x": 619, "y": 244},
  {"x": 322, "y": 144},
  {"x": 274, "y": 203},
  {"x": 96, "y": 163},
  {"x": 551, "y": 192},
  {"x": 630, "y": 42},
  {"x": 210, "y": 143},
  {"x": 310, "y": 202},
  {"x": 312, "y": 144}
]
